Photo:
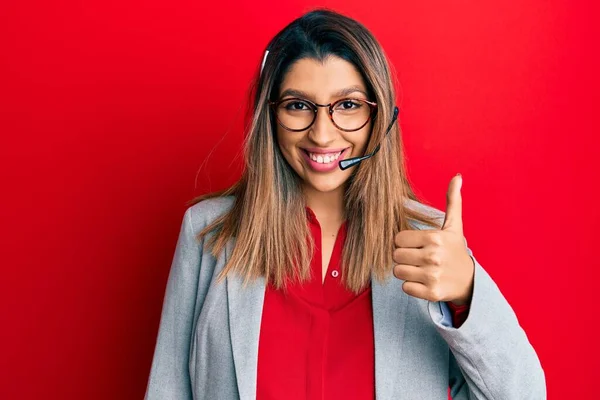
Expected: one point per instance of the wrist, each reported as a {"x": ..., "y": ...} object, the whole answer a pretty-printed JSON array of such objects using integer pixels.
[{"x": 464, "y": 300}]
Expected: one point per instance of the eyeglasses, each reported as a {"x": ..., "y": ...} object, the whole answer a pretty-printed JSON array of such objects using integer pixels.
[{"x": 297, "y": 114}]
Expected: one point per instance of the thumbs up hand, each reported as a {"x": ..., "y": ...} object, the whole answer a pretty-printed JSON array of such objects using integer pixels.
[{"x": 435, "y": 264}]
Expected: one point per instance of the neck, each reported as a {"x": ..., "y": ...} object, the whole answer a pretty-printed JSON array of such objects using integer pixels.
[{"x": 327, "y": 206}]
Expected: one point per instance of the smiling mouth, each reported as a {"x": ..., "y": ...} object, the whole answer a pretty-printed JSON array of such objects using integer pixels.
[{"x": 324, "y": 158}]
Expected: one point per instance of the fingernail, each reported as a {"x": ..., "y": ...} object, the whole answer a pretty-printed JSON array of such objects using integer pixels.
[{"x": 459, "y": 174}]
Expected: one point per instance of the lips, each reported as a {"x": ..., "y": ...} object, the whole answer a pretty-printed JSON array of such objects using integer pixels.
[{"x": 323, "y": 167}]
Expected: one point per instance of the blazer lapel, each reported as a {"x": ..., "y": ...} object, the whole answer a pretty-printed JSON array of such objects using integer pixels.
[
  {"x": 389, "y": 316},
  {"x": 245, "y": 313}
]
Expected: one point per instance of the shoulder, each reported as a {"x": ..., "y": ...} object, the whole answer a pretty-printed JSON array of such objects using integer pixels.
[
  {"x": 426, "y": 210},
  {"x": 206, "y": 211}
]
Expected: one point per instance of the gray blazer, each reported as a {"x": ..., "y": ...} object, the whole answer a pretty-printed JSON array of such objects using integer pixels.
[{"x": 207, "y": 343}]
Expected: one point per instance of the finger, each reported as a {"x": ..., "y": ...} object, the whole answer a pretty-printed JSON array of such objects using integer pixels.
[
  {"x": 409, "y": 256},
  {"x": 415, "y": 289},
  {"x": 411, "y": 238},
  {"x": 409, "y": 273},
  {"x": 453, "y": 217}
]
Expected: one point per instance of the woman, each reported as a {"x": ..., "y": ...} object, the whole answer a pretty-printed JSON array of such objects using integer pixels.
[{"x": 316, "y": 279}]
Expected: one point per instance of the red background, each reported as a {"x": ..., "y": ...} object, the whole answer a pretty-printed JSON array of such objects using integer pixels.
[{"x": 114, "y": 114}]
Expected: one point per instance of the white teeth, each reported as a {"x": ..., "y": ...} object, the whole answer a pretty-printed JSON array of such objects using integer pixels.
[{"x": 324, "y": 158}]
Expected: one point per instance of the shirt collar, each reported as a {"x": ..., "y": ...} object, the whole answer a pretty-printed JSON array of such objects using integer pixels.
[{"x": 311, "y": 215}]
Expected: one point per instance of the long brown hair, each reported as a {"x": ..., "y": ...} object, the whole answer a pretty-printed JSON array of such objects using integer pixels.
[{"x": 268, "y": 218}]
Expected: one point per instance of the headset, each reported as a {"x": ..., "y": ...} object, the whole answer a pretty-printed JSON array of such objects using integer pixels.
[{"x": 349, "y": 162}]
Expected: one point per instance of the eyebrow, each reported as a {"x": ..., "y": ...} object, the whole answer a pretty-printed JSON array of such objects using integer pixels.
[{"x": 339, "y": 93}]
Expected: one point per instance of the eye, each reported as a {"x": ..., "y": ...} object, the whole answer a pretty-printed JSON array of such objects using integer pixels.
[
  {"x": 296, "y": 105},
  {"x": 347, "y": 105}
]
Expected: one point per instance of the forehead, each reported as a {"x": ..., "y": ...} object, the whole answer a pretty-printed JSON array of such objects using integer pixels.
[{"x": 322, "y": 80}]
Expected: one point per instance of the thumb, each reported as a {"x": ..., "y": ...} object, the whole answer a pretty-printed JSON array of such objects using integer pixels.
[{"x": 453, "y": 217}]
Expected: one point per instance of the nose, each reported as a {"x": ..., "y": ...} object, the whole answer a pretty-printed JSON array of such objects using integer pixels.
[{"x": 322, "y": 132}]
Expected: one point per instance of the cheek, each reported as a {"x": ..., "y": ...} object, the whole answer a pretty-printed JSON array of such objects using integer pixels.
[
  {"x": 285, "y": 143},
  {"x": 361, "y": 138}
]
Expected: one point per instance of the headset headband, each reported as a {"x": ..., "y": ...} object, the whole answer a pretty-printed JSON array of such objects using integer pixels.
[{"x": 264, "y": 61}]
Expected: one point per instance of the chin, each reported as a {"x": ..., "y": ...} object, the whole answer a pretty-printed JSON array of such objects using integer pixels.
[{"x": 324, "y": 185}]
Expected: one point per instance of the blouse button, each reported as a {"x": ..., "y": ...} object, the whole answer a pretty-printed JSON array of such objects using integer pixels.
[{"x": 334, "y": 273}]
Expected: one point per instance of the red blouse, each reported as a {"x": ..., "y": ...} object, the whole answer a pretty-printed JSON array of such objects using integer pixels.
[{"x": 317, "y": 341}]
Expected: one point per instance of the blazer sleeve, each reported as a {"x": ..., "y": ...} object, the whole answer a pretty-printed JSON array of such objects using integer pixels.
[
  {"x": 491, "y": 357},
  {"x": 169, "y": 374}
]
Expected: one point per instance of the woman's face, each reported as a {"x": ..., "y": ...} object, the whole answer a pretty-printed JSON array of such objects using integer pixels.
[{"x": 322, "y": 84}]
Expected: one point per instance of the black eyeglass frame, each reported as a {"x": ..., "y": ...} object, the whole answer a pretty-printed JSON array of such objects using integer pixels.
[{"x": 372, "y": 105}]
